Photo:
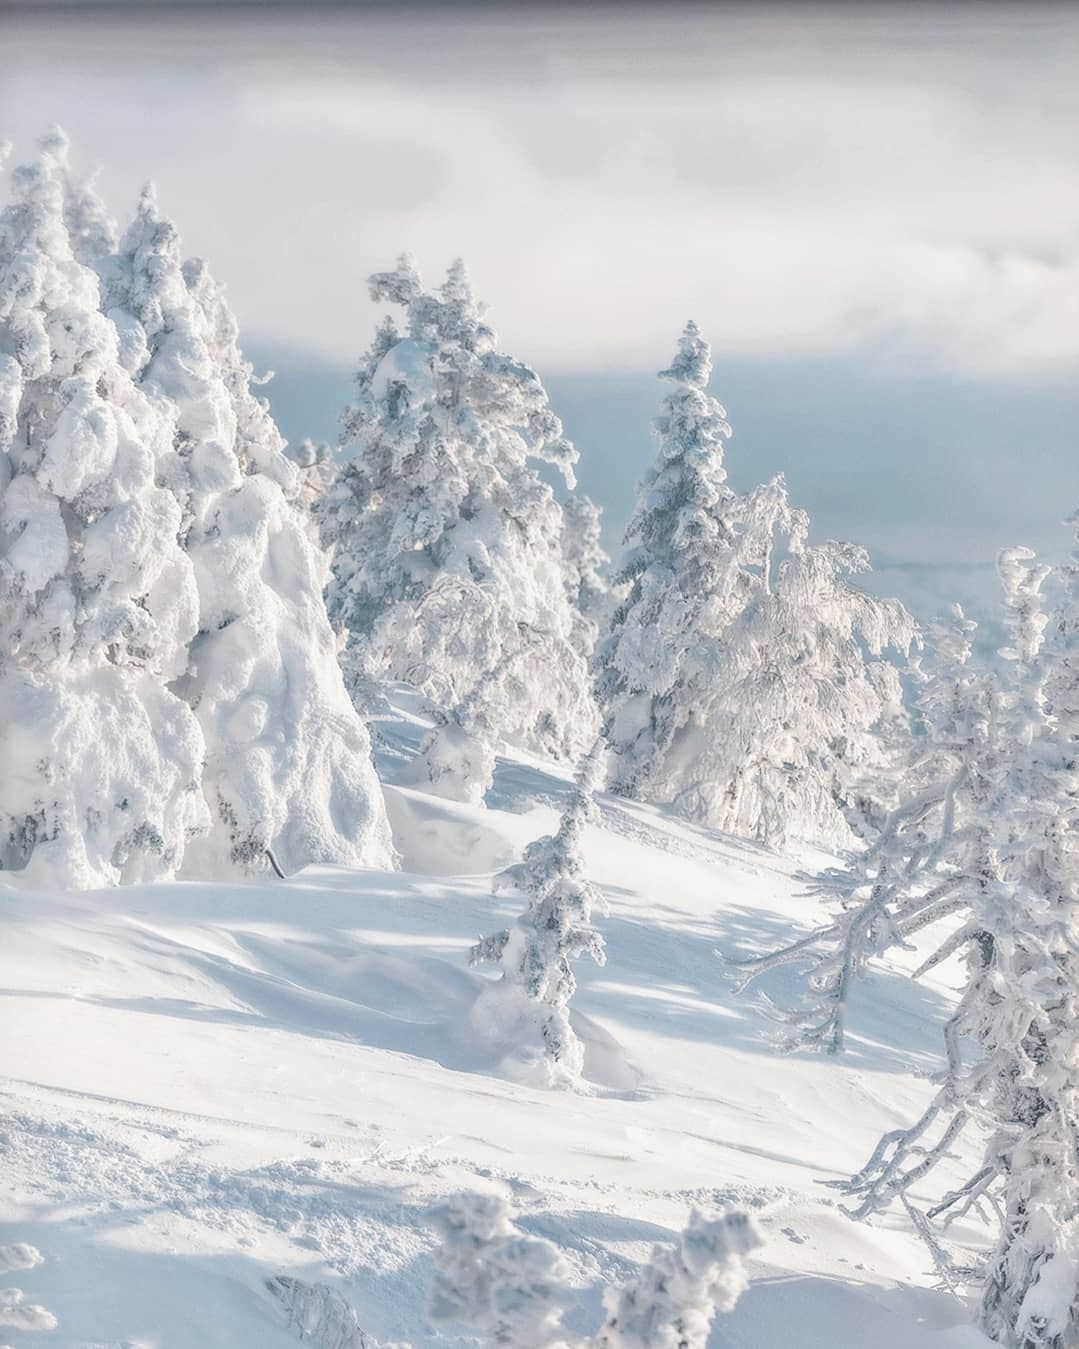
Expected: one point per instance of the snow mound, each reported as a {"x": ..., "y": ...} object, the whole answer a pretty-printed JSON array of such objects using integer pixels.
[{"x": 439, "y": 837}]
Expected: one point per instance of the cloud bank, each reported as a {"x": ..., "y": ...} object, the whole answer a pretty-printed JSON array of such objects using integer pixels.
[{"x": 803, "y": 181}]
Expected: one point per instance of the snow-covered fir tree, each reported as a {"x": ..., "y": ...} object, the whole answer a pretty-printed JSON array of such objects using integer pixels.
[
  {"x": 288, "y": 773},
  {"x": 457, "y": 756},
  {"x": 742, "y": 680},
  {"x": 671, "y": 1303},
  {"x": 1022, "y": 1001},
  {"x": 912, "y": 874},
  {"x": 685, "y": 581},
  {"x": 98, "y": 601},
  {"x": 509, "y": 1287},
  {"x": 319, "y": 1315},
  {"x": 514, "y": 1289},
  {"x": 584, "y": 564},
  {"x": 447, "y": 544},
  {"x": 798, "y": 697},
  {"x": 526, "y": 1011}
]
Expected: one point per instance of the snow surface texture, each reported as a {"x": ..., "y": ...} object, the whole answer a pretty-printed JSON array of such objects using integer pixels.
[
  {"x": 209, "y": 1087},
  {"x": 170, "y": 696}
]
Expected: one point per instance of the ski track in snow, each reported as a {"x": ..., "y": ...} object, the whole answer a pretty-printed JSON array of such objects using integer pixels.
[{"x": 204, "y": 1087}]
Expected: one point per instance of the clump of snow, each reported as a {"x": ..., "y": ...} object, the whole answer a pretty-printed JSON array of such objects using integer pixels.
[
  {"x": 514, "y": 1289},
  {"x": 439, "y": 837},
  {"x": 459, "y": 762},
  {"x": 743, "y": 678},
  {"x": 20, "y": 1256},
  {"x": 18, "y": 1314}
]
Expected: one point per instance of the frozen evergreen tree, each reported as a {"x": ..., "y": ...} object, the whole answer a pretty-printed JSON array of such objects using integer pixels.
[
  {"x": 97, "y": 599},
  {"x": 992, "y": 846},
  {"x": 798, "y": 695},
  {"x": 458, "y": 753},
  {"x": 672, "y": 1301},
  {"x": 258, "y": 445},
  {"x": 912, "y": 874},
  {"x": 491, "y": 1278},
  {"x": 512, "y": 1289},
  {"x": 1022, "y": 1001},
  {"x": 743, "y": 679},
  {"x": 447, "y": 544},
  {"x": 527, "y": 1008},
  {"x": 584, "y": 564},
  {"x": 686, "y": 583},
  {"x": 288, "y": 774}
]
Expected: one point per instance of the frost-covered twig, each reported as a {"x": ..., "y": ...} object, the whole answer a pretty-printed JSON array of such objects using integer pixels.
[{"x": 320, "y": 1315}]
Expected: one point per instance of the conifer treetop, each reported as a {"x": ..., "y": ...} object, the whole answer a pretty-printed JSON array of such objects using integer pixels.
[{"x": 692, "y": 364}]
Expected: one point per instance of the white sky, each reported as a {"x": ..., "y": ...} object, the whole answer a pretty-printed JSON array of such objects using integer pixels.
[{"x": 898, "y": 184}]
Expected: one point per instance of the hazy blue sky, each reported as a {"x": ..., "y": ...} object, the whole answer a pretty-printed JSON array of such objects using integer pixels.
[{"x": 872, "y": 212}]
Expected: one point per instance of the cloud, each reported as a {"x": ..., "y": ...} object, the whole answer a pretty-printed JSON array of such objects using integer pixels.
[{"x": 802, "y": 182}]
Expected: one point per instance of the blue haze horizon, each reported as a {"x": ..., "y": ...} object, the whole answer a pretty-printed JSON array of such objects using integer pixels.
[{"x": 932, "y": 474}]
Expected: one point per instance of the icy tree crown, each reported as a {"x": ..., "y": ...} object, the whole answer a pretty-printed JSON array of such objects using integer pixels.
[{"x": 447, "y": 543}]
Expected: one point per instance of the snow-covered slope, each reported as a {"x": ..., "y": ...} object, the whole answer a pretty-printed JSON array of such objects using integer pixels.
[{"x": 206, "y": 1086}]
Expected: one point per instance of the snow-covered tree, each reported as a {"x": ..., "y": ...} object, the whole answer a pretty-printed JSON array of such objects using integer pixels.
[
  {"x": 527, "y": 1009},
  {"x": 447, "y": 544},
  {"x": 797, "y": 696},
  {"x": 584, "y": 564},
  {"x": 991, "y": 843},
  {"x": 457, "y": 757},
  {"x": 288, "y": 774},
  {"x": 491, "y": 1278},
  {"x": 742, "y": 680},
  {"x": 686, "y": 582},
  {"x": 513, "y": 1289},
  {"x": 912, "y": 874},
  {"x": 671, "y": 1303},
  {"x": 97, "y": 599}
]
